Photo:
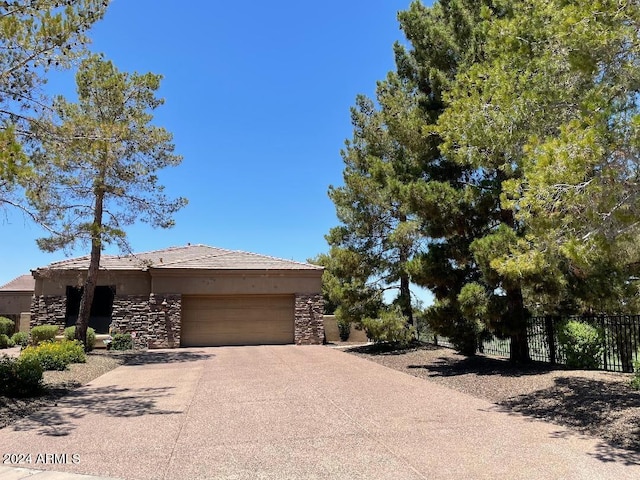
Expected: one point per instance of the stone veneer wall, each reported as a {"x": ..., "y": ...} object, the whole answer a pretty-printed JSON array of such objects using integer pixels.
[
  {"x": 48, "y": 310},
  {"x": 153, "y": 321},
  {"x": 309, "y": 326}
]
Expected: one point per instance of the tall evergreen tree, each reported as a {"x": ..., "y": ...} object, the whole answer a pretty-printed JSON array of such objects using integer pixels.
[
  {"x": 35, "y": 36},
  {"x": 97, "y": 166},
  {"x": 551, "y": 111},
  {"x": 372, "y": 205}
]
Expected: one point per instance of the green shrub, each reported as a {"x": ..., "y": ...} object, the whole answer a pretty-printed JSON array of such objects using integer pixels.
[
  {"x": 582, "y": 344},
  {"x": 43, "y": 333},
  {"x": 344, "y": 329},
  {"x": 20, "y": 377},
  {"x": 635, "y": 381},
  {"x": 121, "y": 341},
  {"x": 7, "y": 326},
  {"x": 70, "y": 332},
  {"x": 20, "y": 338},
  {"x": 391, "y": 327},
  {"x": 56, "y": 355},
  {"x": 4, "y": 341}
]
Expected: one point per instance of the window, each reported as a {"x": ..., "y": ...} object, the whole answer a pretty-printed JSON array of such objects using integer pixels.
[{"x": 101, "y": 307}]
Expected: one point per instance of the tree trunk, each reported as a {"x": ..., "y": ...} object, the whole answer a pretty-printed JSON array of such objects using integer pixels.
[
  {"x": 92, "y": 274},
  {"x": 405, "y": 290},
  {"x": 517, "y": 325},
  {"x": 405, "y": 299}
]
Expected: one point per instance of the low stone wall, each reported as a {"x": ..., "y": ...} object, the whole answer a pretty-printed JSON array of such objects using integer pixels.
[{"x": 309, "y": 329}]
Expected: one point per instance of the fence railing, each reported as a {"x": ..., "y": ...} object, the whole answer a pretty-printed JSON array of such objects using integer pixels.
[{"x": 620, "y": 334}]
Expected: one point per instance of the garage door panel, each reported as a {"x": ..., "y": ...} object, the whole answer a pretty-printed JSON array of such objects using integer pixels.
[{"x": 237, "y": 320}]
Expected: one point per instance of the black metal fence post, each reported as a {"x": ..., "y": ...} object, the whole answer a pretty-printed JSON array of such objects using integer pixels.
[{"x": 551, "y": 338}]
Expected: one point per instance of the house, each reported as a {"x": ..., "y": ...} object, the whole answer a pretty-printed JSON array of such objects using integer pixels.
[
  {"x": 15, "y": 297},
  {"x": 193, "y": 295}
]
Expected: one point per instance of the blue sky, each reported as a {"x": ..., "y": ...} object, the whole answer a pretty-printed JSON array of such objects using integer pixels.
[{"x": 257, "y": 98}]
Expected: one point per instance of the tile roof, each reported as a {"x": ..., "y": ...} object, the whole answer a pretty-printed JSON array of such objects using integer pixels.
[
  {"x": 200, "y": 257},
  {"x": 23, "y": 283}
]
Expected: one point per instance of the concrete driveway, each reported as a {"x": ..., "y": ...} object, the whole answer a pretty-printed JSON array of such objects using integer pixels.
[{"x": 286, "y": 412}]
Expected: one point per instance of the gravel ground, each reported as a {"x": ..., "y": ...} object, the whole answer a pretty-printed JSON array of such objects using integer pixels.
[
  {"x": 58, "y": 384},
  {"x": 600, "y": 404}
]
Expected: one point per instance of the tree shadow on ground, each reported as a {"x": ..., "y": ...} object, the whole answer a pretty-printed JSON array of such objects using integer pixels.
[
  {"x": 148, "y": 357},
  {"x": 110, "y": 401},
  {"x": 480, "y": 365},
  {"x": 390, "y": 348},
  {"x": 594, "y": 407}
]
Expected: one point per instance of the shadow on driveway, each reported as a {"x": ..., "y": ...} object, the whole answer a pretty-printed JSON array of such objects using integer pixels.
[
  {"x": 110, "y": 401},
  {"x": 589, "y": 406},
  {"x": 147, "y": 357}
]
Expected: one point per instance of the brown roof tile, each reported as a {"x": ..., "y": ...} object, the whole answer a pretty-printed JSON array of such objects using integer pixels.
[
  {"x": 187, "y": 257},
  {"x": 23, "y": 283}
]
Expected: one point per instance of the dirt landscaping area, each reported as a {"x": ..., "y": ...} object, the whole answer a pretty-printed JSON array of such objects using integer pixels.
[
  {"x": 57, "y": 384},
  {"x": 595, "y": 403}
]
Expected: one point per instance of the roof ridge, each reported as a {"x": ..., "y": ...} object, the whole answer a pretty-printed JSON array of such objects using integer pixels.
[
  {"x": 272, "y": 257},
  {"x": 209, "y": 255}
]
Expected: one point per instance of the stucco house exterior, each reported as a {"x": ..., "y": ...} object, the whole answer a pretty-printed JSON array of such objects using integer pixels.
[
  {"x": 193, "y": 295},
  {"x": 15, "y": 297}
]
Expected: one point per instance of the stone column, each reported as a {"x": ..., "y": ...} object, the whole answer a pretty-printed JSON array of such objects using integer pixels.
[{"x": 309, "y": 327}]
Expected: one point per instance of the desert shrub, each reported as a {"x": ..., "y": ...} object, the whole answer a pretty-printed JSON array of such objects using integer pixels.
[
  {"x": 56, "y": 355},
  {"x": 20, "y": 338},
  {"x": 7, "y": 326},
  {"x": 20, "y": 377},
  {"x": 581, "y": 343},
  {"x": 70, "y": 334},
  {"x": 121, "y": 341},
  {"x": 43, "y": 333},
  {"x": 391, "y": 327},
  {"x": 344, "y": 329},
  {"x": 5, "y": 341}
]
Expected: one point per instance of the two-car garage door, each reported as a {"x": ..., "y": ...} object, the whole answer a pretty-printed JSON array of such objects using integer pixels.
[{"x": 237, "y": 320}]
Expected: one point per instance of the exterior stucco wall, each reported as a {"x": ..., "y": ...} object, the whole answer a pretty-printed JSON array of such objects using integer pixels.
[
  {"x": 15, "y": 303},
  {"x": 236, "y": 282},
  {"x": 126, "y": 282},
  {"x": 148, "y": 304}
]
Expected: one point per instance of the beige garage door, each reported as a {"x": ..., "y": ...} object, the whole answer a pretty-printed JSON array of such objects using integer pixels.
[{"x": 237, "y": 320}]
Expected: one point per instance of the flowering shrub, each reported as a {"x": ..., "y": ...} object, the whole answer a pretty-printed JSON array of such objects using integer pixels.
[{"x": 56, "y": 355}]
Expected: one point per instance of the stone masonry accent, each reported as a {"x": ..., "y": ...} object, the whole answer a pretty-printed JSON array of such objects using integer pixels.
[
  {"x": 309, "y": 326},
  {"x": 153, "y": 321},
  {"x": 48, "y": 310}
]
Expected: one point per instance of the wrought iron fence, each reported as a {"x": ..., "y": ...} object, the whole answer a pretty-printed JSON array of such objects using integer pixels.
[{"x": 620, "y": 336}]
